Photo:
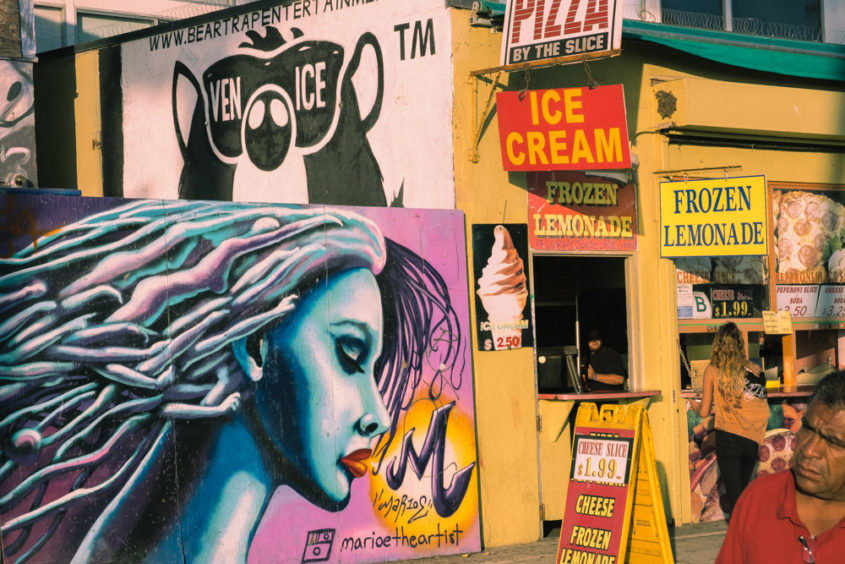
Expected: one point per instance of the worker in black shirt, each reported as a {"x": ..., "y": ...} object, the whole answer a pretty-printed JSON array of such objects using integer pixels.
[{"x": 606, "y": 370}]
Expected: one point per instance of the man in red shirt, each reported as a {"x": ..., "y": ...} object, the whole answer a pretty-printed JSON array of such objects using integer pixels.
[{"x": 798, "y": 516}]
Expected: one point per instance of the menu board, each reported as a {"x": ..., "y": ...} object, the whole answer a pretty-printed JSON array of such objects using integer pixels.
[
  {"x": 602, "y": 460},
  {"x": 613, "y": 509},
  {"x": 731, "y": 301},
  {"x": 720, "y": 287},
  {"x": 598, "y": 493},
  {"x": 800, "y": 300},
  {"x": 777, "y": 322},
  {"x": 831, "y": 301}
]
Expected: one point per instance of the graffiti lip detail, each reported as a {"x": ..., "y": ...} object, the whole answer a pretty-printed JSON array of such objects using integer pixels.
[{"x": 355, "y": 461}]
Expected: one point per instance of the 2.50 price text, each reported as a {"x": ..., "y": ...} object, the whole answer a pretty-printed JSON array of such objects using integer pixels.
[
  {"x": 513, "y": 342},
  {"x": 796, "y": 310}
]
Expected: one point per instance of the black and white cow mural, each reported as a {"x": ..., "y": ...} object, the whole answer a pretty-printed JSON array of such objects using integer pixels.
[{"x": 318, "y": 101}]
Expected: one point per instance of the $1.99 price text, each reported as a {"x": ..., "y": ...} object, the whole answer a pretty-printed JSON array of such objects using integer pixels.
[
  {"x": 733, "y": 308},
  {"x": 601, "y": 460}
]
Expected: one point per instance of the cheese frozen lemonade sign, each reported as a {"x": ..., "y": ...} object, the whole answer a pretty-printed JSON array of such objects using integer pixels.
[
  {"x": 715, "y": 217},
  {"x": 564, "y": 129},
  {"x": 613, "y": 510}
]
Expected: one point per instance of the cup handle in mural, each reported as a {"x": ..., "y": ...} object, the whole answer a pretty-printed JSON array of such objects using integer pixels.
[
  {"x": 201, "y": 177},
  {"x": 180, "y": 70},
  {"x": 368, "y": 39}
]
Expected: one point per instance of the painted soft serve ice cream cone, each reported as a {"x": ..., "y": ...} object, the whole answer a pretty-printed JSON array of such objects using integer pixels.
[{"x": 503, "y": 291}]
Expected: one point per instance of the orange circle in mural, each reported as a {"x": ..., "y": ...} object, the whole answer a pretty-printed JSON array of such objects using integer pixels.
[{"x": 410, "y": 510}]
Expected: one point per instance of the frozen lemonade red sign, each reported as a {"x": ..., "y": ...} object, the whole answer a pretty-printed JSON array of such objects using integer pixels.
[
  {"x": 574, "y": 211},
  {"x": 564, "y": 129}
]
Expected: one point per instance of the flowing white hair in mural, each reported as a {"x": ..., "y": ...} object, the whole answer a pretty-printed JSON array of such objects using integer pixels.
[{"x": 117, "y": 325}]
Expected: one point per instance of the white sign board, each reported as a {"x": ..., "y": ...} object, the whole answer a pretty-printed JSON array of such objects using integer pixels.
[
  {"x": 831, "y": 302},
  {"x": 536, "y": 30},
  {"x": 798, "y": 300},
  {"x": 315, "y": 101},
  {"x": 693, "y": 305},
  {"x": 777, "y": 322},
  {"x": 601, "y": 460}
]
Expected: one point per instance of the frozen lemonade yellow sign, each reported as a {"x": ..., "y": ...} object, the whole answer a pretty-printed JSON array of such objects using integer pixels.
[{"x": 715, "y": 217}]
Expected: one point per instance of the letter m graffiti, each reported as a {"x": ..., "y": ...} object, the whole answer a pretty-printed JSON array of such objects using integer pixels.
[{"x": 446, "y": 500}]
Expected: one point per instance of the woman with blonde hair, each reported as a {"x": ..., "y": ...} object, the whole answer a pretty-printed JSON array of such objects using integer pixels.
[{"x": 737, "y": 388}]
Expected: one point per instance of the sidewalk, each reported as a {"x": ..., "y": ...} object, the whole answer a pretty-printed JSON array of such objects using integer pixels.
[{"x": 691, "y": 544}]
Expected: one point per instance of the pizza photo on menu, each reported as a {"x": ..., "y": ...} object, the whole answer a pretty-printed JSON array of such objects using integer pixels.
[
  {"x": 723, "y": 270},
  {"x": 739, "y": 270},
  {"x": 809, "y": 235}
]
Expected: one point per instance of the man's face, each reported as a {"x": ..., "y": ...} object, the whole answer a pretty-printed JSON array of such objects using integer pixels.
[
  {"x": 594, "y": 344},
  {"x": 819, "y": 461}
]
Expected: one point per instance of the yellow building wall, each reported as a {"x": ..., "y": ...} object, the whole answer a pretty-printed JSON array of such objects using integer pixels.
[
  {"x": 776, "y": 111},
  {"x": 505, "y": 390},
  {"x": 487, "y": 194},
  {"x": 89, "y": 158},
  {"x": 709, "y": 100},
  {"x": 739, "y": 111},
  {"x": 505, "y": 381},
  {"x": 709, "y": 103}
]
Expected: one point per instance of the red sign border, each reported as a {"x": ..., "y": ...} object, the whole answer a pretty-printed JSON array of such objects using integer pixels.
[{"x": 594, "y": 109}]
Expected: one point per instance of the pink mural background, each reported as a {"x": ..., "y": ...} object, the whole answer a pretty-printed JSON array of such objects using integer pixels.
[{"x": 422, "y": 498}]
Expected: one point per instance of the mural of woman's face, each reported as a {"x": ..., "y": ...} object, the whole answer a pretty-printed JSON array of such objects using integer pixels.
[{"x": 318, "y": 398}]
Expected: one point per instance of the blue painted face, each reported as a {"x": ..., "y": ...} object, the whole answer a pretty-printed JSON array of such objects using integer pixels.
[{"x": 318, "y": 397}]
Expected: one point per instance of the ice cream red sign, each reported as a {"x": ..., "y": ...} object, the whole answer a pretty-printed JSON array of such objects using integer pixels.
[{"x": 564, "y": 129}]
